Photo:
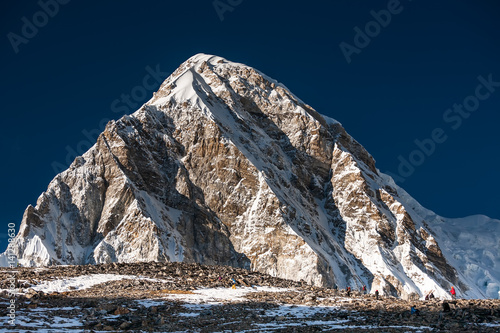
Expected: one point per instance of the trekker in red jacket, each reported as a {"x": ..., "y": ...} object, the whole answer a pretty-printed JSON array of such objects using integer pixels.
[{"x": 453, "y": 293}]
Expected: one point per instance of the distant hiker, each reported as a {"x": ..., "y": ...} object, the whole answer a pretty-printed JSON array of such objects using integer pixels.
[
  {"x": 431, "y": 295},
  {"x": 414, "y": 310},
  {"x": 376, "y": 294},
  {"x": 446, "y": 307},
  {"x": 453, "y": 293},
  {"x": 348, "y": 291},
  {"x": 427, "y": 297},
  {"x": 364, "y": 289}
]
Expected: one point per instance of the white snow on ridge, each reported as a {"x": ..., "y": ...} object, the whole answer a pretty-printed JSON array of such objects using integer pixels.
[
  {"x": 470, "y": 244},
  {"x": 214, "y": 60},
  {"x": 330, "y": 121}
]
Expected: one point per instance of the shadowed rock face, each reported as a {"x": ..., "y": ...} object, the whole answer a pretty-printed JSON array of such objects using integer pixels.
[{"x": 226, "y": 166}]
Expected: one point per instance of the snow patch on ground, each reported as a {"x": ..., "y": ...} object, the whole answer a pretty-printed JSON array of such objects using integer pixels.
[
  {"x": 217, "y": 295},
  {"x": 84, "y": 282}
]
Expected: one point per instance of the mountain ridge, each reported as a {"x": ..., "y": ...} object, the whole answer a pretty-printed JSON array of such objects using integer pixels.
[{"x": 225, "y": 165}]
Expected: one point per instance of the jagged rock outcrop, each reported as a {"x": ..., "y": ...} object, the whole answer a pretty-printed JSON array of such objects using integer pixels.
[{"x": 226, "y": 166}]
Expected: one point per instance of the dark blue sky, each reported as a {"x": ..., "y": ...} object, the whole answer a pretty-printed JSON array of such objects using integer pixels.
[{"x": 396, "y": 89}]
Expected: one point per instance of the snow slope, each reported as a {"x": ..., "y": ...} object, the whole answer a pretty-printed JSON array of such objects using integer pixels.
[{"x": 470, "y": 244}]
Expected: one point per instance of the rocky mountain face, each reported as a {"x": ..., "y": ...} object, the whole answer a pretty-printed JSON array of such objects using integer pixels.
[{"x": 224, "y": 165}]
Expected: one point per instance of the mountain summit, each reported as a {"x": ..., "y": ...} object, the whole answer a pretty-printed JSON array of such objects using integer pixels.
[{"x": 226, "y": 166}]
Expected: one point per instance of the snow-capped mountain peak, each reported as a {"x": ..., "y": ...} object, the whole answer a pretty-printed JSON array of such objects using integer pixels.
[{"x": 224, "y": 165}]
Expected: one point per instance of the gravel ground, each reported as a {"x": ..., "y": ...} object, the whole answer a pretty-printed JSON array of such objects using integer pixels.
[{"x": 179, "y": 297}]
